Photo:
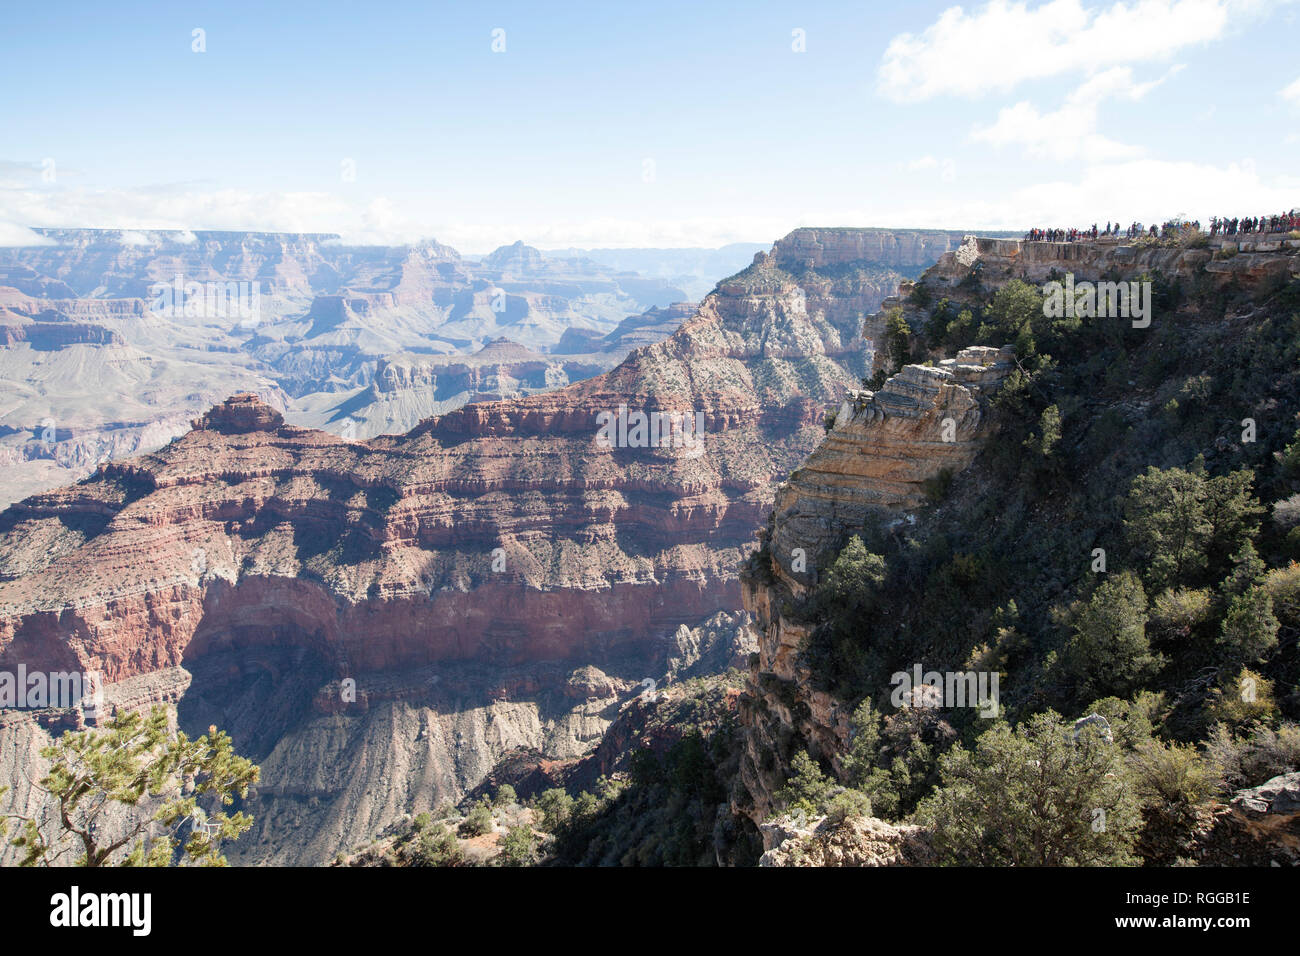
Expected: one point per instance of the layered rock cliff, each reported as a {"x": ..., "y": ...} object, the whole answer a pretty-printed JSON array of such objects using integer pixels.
[
  {"x": 874, "y": 465},
  {"x": 502, "y": 535},
  {"x": 99, "y": 337}
]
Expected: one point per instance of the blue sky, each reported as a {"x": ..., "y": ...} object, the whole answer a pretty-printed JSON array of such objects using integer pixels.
[{"x": 670, "y": 124}]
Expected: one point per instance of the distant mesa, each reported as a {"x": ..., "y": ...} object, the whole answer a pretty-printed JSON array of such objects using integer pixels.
[
  {"x": 50, "y": 330},
  {"x": 502, "y": 349},
  {"x": 647, "y": 328},
  {"x": 908, "y": 250},
  {"x": 239, "y": 414},
  {"x": 514, "y": 257},
  {"x": 577, "y": 341}
]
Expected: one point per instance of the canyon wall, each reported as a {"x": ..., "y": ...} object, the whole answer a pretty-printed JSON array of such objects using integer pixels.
[
  {"x": 873, "y": 464},
  {"x": 89, "y": 347},
  {"x": 503, "y": 535}
]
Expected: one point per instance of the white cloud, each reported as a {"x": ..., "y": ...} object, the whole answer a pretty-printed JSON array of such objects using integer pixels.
[
  {"x": 1071, "y": 131},
  {"x": 1291, "y": 93},
  {"x": 16, "y": 234},
  {"x": 380, "y": 221},
  {"x": 1002, "y": 44},
  {"x": 1066, "y": 133},
  {"x": 1157, "y": 189},
  {"x": 1150, "y": 190},
  {"x": 188, "y": 207}
]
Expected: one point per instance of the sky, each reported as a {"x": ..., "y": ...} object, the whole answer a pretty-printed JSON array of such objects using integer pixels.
[{"x": 649, "y": 124}]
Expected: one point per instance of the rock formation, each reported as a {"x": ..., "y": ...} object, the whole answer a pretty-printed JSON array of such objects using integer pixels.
[
  {"x": 1259, "y": 826},
  {"x": 856, "y": 841},
  {"x": 875, "y": 459},
  {"x": 881, "y": 450},
  {"x": 500, "y": 536},
  {"x": 99, "y": 337},
  {"x": 872, "y": 465}
]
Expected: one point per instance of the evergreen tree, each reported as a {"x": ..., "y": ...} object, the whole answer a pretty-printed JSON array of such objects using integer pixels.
[
  {"x": 171, "y": 782},
  {"x": 1033, "y": 795}
]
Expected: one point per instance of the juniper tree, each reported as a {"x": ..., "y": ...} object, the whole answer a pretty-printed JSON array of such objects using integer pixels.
[
  {"x": 165, "y": 781},
  {"x": 1033, "y": 795},
  {"x": 1110, "y": 652}
]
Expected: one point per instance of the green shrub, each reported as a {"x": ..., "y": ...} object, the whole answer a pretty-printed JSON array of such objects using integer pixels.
[
  {"x": 1173, "y": 783},
  {"x": 1177, "y": 613},
  {"x": 898, "y": 339},
  {"x": 434, "y": 846},
  {"x": 1247, "y": 699},
  {"x": 478, "y": 821},
  {"x": 848, "y": 803},
  {"x": 1184, "y": 524},
  {"x": 1283, "y": 586},
  {"x": 854, "y": 577},
  {"x": 1249, "y": 631},
  {"x": 1033, "y": 795},
  {"x": 556, "y": 808},
  {"x": 518, "y": 847},
  {"x": 807, "y": 788},
  {"x": 1109, "y": 652}
]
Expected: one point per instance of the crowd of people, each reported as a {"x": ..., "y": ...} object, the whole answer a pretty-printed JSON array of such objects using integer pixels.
[
  {"x": 1282, "y": 222},
  {"x": 1133, "y": 231},
  {"x": 1064, "y": 235},
  {"x": 1258, "y": 225}
]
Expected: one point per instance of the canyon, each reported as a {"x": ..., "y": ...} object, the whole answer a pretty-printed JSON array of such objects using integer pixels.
[
  {"x": 104, "y": 353},
  {"x": 388, "y": 623},
  {"x": 247, "y": 567}
]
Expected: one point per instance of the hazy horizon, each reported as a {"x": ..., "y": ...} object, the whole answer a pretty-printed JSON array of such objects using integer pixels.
[{"x": 688, "y": 128}]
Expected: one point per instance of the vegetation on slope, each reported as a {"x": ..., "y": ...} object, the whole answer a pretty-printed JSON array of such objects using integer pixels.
[
  {"x": 665, "y": 802},
  {"x": 1124, "y": 545}
]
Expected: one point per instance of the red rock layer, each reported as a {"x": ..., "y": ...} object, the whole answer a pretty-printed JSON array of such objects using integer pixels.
[{"x": 503, "y": 531}]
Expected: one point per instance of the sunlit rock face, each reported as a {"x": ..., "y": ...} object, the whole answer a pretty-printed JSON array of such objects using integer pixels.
[
  {"x": 875, "y": 459},
  {"x": 502, "y": 537}
]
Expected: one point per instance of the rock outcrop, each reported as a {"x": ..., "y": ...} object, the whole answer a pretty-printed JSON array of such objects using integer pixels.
[
  {"x": 996, "y": 261},
  {"x": 882, "y": 449},
  {"x": 873, "y": 464},
  {"x": 855, "y": 841},
  {"x": 1259, "y": 826}
]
